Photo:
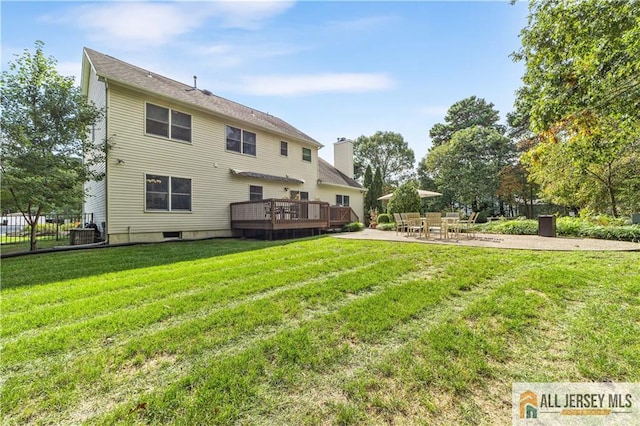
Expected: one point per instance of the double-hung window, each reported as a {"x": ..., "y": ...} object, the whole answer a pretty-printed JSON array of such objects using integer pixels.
[
  {"x": 342, "y": 200},
  {"x": 284, "y": 148},
  {"x": 255, "y": 193},
  {"x": 242, "y": 141},
  {"x": 167, "y": 193},
  {"x": 306, "y": 154},
  {"x": 168, "y": 123}
]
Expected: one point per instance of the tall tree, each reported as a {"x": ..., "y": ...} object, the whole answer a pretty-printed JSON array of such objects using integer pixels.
[
  {"x": 377, "y": 189},
  {"x": 469, "y": 165},
  {"x": 44, "y": 122},
  {"x": 387, "y": 151},
  {"x": 368, "y": 180},
  {"x": 469, "y": 112},
  {"x": 582, "y": 91}
]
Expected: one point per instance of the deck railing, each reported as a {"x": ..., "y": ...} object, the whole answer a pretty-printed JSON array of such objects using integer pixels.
[
  {"x": 341, "y": 215},
  {"x": 275, "y": 214}
]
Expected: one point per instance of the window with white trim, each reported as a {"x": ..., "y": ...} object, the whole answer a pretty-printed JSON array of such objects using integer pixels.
[
  {"x": 342, "y": 200},
  {"x": 242, "y": 141},
  {"x": 168, "y": 123},
  {"x": 284, "y": 148},
  {"x": 306, "y": 154},
  {"x": 255, "y": 193},
  {"x": 167, "y": 193}
]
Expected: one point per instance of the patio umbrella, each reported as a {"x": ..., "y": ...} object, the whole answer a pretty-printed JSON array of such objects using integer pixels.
[{"x": 421, "y": 192}]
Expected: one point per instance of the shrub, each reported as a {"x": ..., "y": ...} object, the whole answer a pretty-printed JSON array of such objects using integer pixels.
[
  {"x": 405, "y": 199},
  {"x": 566, "y": 227},
  {"x": 384, "y": 218},
  {"x": 42, "y": 229},
  {"x": 620, "y": 233},
  {"x": 386, "y": 226},
  {"x": 514, "y": 227},
  {"x": 570, "y": 226},
  {"x": 354, "y": 226}
]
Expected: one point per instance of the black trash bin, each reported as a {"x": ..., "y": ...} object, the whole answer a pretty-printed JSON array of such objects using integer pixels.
[{"x": 547, "y": 225}]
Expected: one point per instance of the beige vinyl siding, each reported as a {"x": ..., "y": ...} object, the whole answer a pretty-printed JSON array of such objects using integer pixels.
[
  {"x": 356, "y": 198},
  {"x": 205, "y": 161},
  {"x": 95, "y": 201}
]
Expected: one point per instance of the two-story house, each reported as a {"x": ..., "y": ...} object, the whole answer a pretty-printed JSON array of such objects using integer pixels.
[{"x": 181, "y": 157}]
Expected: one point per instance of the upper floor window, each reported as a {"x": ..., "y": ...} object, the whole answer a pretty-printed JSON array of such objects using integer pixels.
[
  {"x": 255, "y": 193},
  {"x": 168, "y": 123},
  {"x": 284, "y": 148},
  {"x": 241, "y": 141},
  {"x": 306, "y": 154},
  {"x": 167, "y": 193},
  {"x": 342, "y": 200}
]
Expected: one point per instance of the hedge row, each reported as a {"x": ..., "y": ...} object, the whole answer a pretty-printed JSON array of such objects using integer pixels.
[{"x": 566, "y": 227}]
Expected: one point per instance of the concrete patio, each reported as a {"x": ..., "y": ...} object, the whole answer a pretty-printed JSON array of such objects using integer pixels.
[{"x": 504, "y": 241}]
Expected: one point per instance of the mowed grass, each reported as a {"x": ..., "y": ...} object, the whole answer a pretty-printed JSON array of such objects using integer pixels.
[{"x": 312, "y": 331}]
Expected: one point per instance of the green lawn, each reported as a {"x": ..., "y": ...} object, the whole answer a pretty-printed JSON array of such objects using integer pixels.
[{"x": 311, "y": 331}]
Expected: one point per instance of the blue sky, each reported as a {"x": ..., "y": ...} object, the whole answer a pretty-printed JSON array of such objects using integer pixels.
[{"x": 330, "y": 68}]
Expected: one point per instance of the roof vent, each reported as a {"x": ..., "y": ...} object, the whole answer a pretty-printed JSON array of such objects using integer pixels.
[
  {"x": 206, "y": 92},
  {"x": 195, "y": 81}
]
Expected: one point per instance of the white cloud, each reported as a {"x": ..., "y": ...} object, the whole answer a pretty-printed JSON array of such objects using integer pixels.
[
  {"x": 232, "y": 55},
  {"x": 292, "y": 85},
  {"x": 137, "y": 25},
  {"x": 250, "y": 14}
]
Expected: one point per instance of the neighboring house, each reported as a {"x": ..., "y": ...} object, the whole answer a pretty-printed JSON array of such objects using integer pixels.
[{"x": 180, "y": 156}]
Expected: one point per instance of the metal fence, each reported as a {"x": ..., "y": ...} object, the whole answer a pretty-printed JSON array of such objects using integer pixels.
[{"x": 14, "y": 228}]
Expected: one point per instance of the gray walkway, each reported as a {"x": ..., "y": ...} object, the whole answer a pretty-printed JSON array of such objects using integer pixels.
[{"x": 527, "y": 242}]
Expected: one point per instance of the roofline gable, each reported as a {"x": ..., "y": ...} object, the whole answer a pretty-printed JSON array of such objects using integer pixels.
[{"x": 115, "y": 71}]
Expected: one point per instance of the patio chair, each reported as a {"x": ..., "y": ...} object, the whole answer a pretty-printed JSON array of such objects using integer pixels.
[
  {"x": 452, "y": 221},
  {"x": 433, "y": 221},
  {"x": 405, "y": 220},
  {"x": 401, "y": 225},
  {"x": 468, "y": 224},
  {"x": 414, "y": 223}
]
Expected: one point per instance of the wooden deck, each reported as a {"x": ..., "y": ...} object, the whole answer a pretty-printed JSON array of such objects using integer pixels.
[{"x": 283, "y": 214}]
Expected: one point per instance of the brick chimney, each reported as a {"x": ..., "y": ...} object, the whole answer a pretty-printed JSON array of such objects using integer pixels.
[{"x": 343, "y": 156}]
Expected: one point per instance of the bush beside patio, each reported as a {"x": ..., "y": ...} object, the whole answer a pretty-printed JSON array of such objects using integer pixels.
[{"x": 601, "y": 228}]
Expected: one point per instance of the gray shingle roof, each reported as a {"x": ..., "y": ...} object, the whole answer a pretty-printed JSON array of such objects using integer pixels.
[
  {"x": 116, "y": 70},
  {"x": 330, "y": 175}
]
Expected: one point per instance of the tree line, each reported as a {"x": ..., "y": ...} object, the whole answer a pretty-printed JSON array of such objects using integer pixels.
[{"x": 573, "y": 138}]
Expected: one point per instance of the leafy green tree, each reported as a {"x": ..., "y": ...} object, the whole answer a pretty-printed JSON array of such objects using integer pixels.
[
  {"x": 405, "y": 199},
  {"x": 469, "y": 165},
  {"x": 582, "y": 91},
  {"x": 377, "y": 190},
  {"x": 44, "y": 122},
  {"x": 469, "y": 112},
  {"x": 368, "y": 180},
  {"x": 426, "y": 181},
  {"x": 515, "y": 188},
  {"x": 387, "y": 151}
]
